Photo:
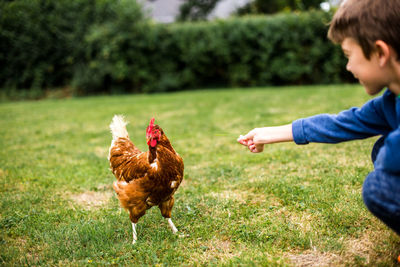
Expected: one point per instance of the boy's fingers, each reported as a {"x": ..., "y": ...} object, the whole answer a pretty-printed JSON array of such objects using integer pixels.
[
  {"x": 249, "y": 135},
  {"x": 242, "y": 140},
  {"x": 256, "y": 148}
]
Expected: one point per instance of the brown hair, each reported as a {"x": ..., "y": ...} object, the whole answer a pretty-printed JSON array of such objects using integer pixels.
[{"x": 367, "y": 21}]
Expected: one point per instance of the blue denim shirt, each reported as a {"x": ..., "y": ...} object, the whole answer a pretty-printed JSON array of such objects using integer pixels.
[{"x": 379, "y": 116}]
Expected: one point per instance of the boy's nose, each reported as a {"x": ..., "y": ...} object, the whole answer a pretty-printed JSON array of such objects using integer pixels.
[{"x": 348, "y": 68}]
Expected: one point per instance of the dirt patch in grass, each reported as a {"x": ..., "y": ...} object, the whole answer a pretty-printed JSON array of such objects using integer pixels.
[
  {"x": 241, "y": 196},
  {"x": 92, "y": 199},
  {"x": 218, "y": 249},
  {"x": 31, "y": 251},
  {"x": 359, "y": 251},
  {"x": 314, "y": 258},
  {"x": 101, "y": 152},
  {"x": 304, "y": 221},
  {"x": 361, "y": 247},
  {"x": 372, "y": 247},
  {"x": 3, "y": 173}
]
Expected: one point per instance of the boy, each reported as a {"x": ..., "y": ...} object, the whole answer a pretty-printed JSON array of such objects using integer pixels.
[{"x": 369, "y": 34}]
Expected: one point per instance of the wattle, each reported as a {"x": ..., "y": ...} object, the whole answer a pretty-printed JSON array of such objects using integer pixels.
[{"x": 153, "y": 142}]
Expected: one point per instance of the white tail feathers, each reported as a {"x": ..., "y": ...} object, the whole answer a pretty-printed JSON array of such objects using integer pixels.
[{"x": 118, "y": 127}]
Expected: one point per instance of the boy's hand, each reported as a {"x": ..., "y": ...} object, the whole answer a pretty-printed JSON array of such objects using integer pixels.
[
  {"x": 248, "y": 141},
  {"x": 256, "y": 138}
]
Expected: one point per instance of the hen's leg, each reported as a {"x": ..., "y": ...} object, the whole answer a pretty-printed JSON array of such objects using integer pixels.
[
  {"x": 172, "y": 225},
  {"x": 134, "y": 214},
  {"x": 166, "y": 208},
  {"x": 134, "y": 233}
]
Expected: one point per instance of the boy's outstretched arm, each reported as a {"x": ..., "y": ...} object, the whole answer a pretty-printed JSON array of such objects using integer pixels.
[{"x": 258, "y": 137}]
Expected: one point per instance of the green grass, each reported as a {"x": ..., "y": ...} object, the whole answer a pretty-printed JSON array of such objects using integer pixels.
[{"x": 291, "y": 205}]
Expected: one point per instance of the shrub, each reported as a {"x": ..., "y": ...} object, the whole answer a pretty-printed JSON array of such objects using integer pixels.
[
  {"x": 250, "y": 51},
  {"x": 42, "y": 41},
  {"x": 109, "y": 46}
]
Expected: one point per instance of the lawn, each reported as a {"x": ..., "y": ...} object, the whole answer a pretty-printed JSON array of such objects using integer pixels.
[{"x": 288, "y": 206}]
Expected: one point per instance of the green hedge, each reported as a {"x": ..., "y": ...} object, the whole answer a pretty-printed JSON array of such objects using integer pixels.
[
  {"x": 252, "y": 51},
  {"x": 108, "y": 46},
  {"x": 42, "y": 42}
]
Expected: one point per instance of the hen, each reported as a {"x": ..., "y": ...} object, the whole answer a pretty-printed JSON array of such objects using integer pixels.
[{"x": 145, "y": 179}]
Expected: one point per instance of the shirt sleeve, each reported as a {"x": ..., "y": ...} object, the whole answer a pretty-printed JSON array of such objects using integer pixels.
[{"x": 351, "y": 124}]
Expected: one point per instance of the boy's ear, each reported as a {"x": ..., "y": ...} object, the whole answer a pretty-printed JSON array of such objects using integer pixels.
[{"x": 383, "y": 51}]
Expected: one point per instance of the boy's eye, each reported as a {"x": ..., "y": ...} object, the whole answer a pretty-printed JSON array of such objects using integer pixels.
[{"x": 345, "y": 52}]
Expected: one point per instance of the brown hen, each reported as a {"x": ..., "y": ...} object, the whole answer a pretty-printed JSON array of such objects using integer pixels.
[{"x": 145, "y": 179}]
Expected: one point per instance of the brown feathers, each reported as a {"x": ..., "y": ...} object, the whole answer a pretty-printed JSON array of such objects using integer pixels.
[{"x": 144, "y": 179}]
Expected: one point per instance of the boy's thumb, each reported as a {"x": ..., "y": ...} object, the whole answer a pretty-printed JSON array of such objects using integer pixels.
[{"x": 249, "y": 136}]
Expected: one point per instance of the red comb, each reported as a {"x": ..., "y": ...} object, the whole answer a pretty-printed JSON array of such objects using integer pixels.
[{"x": 150, "y": 127}]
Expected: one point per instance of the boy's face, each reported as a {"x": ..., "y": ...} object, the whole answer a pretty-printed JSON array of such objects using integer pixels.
[{"x": 368, "y": 72}]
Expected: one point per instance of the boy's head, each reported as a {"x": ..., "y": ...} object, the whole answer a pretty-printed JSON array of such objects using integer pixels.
[
  {"x": 369, "y": 33},
  {"x": 367, "y": 21}
]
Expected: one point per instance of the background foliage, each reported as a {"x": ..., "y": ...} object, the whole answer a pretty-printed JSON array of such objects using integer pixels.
[
  {"x": 250, "y": 51},
  {"x": 109, "y": 46},
  {"x": 42, "y": 42}
]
